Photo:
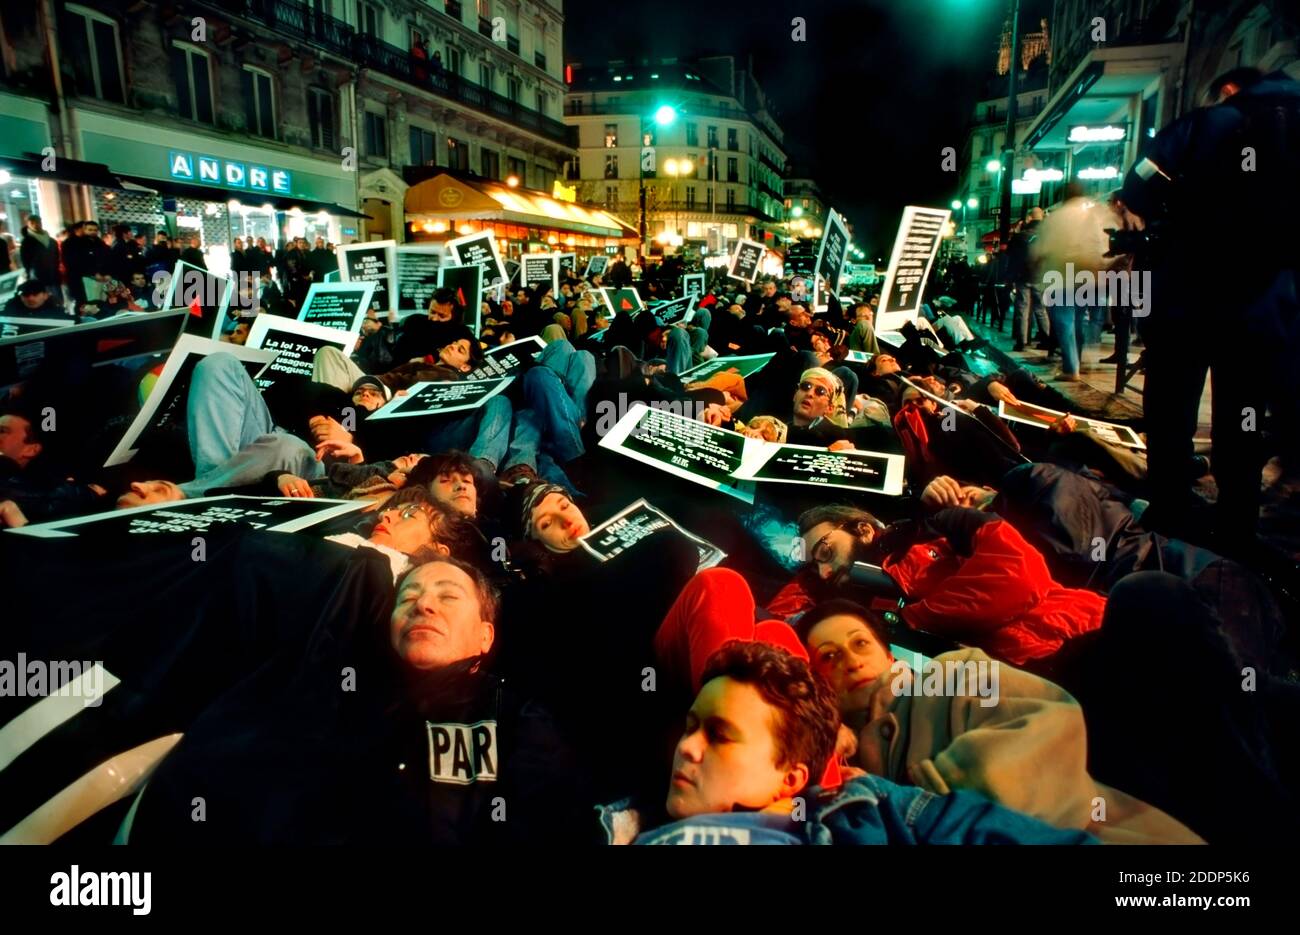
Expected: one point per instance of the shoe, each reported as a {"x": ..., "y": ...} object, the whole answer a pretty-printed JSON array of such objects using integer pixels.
[
  {"x": 1113, "y": 359},
  {"x": 517, "y": 475},
  {"x": 1067, "y": 378},
  {"x": 1018, "y": 347}
]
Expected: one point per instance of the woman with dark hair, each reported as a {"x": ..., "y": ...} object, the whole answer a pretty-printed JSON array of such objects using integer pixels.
[{"x": 412, "y": 528}]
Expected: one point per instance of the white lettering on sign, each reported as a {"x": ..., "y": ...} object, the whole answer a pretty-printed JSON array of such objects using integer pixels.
[{"x": 463, "y": 753}]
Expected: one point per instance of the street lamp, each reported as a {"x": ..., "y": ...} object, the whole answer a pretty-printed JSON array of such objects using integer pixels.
[
  {"x": 993, "y": 165},
  {"x": 956, "y": 205},
  {"x": 665, "y": 115}
]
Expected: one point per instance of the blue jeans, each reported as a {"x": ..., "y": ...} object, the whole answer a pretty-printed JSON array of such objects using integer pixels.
[
  {"x": 526, "y": 448},
  {"x": 556, "y": 393},
  {"x": 1067, "y": 327},
  {"x": 483, "y": 433},
  {"x": 233, "y": 440}
]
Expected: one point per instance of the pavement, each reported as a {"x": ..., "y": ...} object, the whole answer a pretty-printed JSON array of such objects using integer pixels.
[{"x": 1095, "y": 396}]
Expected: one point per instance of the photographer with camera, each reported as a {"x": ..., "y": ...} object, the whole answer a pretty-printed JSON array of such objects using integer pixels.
[{"x": 1218, "y": 178}]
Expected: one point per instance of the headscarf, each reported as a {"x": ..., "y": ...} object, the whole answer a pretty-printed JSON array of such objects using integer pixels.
[
  {"x": 552, "y": 333},
  {"x": 838, "y": 411},
  {"x": 726, "y": 382},
  {"x": 532, "y": 496}
]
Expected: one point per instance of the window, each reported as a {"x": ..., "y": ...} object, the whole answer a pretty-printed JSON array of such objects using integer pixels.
[
  {"x": 731, "y": 199},
  {"x": 193, "y": 73},
  {"x": 422, "y": 147},
  {"x": 518, "y": 169},
  {"x": 453, "y": 58},
  {"x": 545, "y": 179},
  {"x": 708, "y": 200},
  {"x": 611, "y": 135},
  {"x": 541, "y": 102},
  {"x": 575, "y": 168},
  {"x": 732, "y": 144},
  {"x": 457, "y": 154},
  {"x": 690, "y": 198},
  {"x": 376, "y": 135},
  {"x": 692, "y": 135},
  {"x": 611, "y": 166},
  {"x": 453, "y": 9},
  {"x": 259, "y": 105},
  {"x": 92, "y": 46},
  {"x": 489, "y": 164},
  {"x": 514, "y": 86},
  {"x": 320, "y": 114},
  {"x": 713, "y": 137},
  {"x": 611, "y": 197},
  {"x": 805, "y": 204},
  {"x": 370, "y": 19},
  {"x": 416, "y": 35},
  {"x": 485, "y": 75},
  {"x": 733, "y": 172}
]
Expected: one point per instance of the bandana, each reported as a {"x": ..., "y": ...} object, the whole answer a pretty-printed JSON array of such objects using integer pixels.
[
  {"x": 534, "y": 495},
  {"x": 838, "y": 411}
]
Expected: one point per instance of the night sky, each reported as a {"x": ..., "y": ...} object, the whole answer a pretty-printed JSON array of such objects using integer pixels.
[{"x": 867, "y": 101}]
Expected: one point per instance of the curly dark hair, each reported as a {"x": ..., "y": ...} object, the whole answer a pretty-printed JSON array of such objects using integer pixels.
[
  {"x": 427, "y": 470},
  {"x": 809, "y": 714},
  {"x": 840, "y": 607}
]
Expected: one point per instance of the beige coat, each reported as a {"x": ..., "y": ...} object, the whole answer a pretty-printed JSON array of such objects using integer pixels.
[{"x": 1028, "y": 751}]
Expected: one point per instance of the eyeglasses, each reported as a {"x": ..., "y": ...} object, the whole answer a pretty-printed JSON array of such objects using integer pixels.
[
  {"x": 815, "y": 388},
  {"x": 821, "y": 551},
  {"x": 410, "y": 512}
]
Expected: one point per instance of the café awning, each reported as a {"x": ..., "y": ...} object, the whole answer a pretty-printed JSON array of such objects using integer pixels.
[
  {"x": 208, "y": 193},
  {"x": 444, "y": 196}
]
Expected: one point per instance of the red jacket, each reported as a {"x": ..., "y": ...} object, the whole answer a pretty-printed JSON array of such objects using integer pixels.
[{"x": 1001, "y": 598}]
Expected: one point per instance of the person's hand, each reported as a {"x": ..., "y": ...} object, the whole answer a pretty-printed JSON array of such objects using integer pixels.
[
  {"x": 291, "y": 485},
  {"x": 11, "y": 516},
  {"x": 1000, "y": 393},
  {"x": 842, "y": 445},
  {"x": 324, "y": 428},
  {"x": 339, "y": 451},
  {"x": 715, "y": 414},
  {"x": 1064, "y": 425},
  {"x": 941, "y": 492},
  {"x": 955, "y": 389},
  {"x": 846, "y": 743},
  {"x": 407, "y": 463},
  {"x": 96, "y": 489},
  {"x": 966, "y": 405}
]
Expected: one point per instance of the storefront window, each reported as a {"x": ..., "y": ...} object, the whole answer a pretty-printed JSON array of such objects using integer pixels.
[{"x": 17, "y": 203}]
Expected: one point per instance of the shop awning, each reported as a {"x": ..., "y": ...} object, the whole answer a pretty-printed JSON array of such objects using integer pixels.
[
  {"x": 72, "y": 171},
  {"x": 209, "y": 193},
  {"x": 446, "y": 196},
  {"x": 1100, "y": 91}
]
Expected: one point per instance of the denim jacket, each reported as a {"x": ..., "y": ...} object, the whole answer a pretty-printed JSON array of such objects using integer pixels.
[{"x": 865, "y": 810}]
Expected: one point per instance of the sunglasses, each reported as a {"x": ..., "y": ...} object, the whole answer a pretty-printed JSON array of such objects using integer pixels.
[{"x": 815, "y": 388}]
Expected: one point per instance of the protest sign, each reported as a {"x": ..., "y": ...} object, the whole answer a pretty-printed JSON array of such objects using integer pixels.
[
  {"x": 919, "y": 236},
  {"x": 1042, "y": 417},
  {"x": 479, "y": 250},
  {"x": 295, "y": 344},
  {"x": 868, "y": 471},
  {"x": 508, "y": 360},
  {"x": 466, "y": 282},
  {"x": 371, "y": 262},
  {"x": 745, "y": 261},
  {"x": 681, "y": 446},
  {"x": 205, "y": 294},
  {"x": 338, "y": 305},
  {"x": 440, "y": 398},
  {"x": 693, "y": 284},
  {"x": 126, "y": 335},
  {"x": 634, "y": 523},
  {"x": 167, "y": 399},
  {"x": 418, "y": 267},
  {"x": 198, "y": 516},
  {"x": 745, "y": 366},
  {"x": 540, "y": 269}
]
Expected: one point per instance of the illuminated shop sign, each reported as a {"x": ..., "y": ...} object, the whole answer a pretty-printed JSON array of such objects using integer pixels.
[{"x": 209, "y": 170}]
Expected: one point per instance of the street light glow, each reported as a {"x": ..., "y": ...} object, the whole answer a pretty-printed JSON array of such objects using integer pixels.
[
  {"x": 665, "y": 115},
  {"x": 513, "y": 181},
  {"x": 797, "y": 212},
  {"x": 956, "y": 205},
  {"x": 993, "y": 165},
  {"x": 972, "y": 202}
]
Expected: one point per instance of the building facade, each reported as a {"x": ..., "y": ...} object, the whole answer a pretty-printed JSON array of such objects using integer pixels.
[
  {"x": 270, "y": 118},
  {"x": 697, "y": 137}
]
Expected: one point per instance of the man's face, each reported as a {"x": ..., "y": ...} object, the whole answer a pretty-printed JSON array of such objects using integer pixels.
[
  {"x": 138, "y": 280},
  {"x": 833, "y": 549},
  {"x": 737, "y": 310},
  {"x": 34, "y": 225},
  {"x": 726, "y": 758},
  {"x": 783, "y": 304},
  {"x": 441, "y": 311},
  {"x": 456, "y": 491},
  {"x": 438, "y": 620},
  {"x": 886, "y": 364},
  {"x": 404, "y": 528},
  {"x": 90, "y": 230},
  {"x": 769, "y": 290},
  {"x": 368, "y": 397},
  {"x": 240, "y": 334},
  {"x": 799, "y": 316},
  {"x": 848, "y": 656},
  {"x": 558, "y": 523},
  {"x": 812, "y": 398},
  {"x": 35, "y": 300},
  {"x": 456, "y": 354},
  {"x": 13, "y": 439},
  {"x": 149, "y": 491}
]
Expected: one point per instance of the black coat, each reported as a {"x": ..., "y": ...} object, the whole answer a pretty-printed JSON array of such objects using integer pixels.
[{"x": 41, "y": 261}]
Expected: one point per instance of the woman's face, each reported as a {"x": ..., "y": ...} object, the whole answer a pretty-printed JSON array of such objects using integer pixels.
[
  {"x": 456, "y": 354},
  {"x": 404, "y": 528},
  {"x": 820, "y": 344},
  {"x": 558, "y": 523},
  {"x": 849, "y": 657}
]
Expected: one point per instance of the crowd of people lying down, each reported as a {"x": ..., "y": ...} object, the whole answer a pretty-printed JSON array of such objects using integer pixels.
[{"x": 1007, "y": 652}]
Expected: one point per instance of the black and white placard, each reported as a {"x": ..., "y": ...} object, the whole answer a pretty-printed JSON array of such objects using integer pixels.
[
  {"x": 197, "y": 516},
  {"x": 466, "y": 282},
  {"x": 295, "y": 344},
  {"x": 508, "y": 360},
  {"x": 681, "y": 446},
  {"x": 745, "y": 366},
  {"x": 479, "y": 250},
  {"x": 746, "y": 260},
  {"x": 634, "y": 523},
  {"x": 596, "y": 266},
  {"x": 372, "y": 262},
  {"x": 418, "y": 266},
  {"x": 915, "y": 247},
  {"x": 205, "y": 294},
  {"x": 693, "y": 284},
  {"x": 171, "y": 391},
  {"x": 540, "y": 269},
  {"x": 125, "y": 335},
  {"x": 866, "y": 471},
  {"x": 338, "y": 305},
  {"x": 832, "y": 252},
  {"x": 440, "y": 398}
]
